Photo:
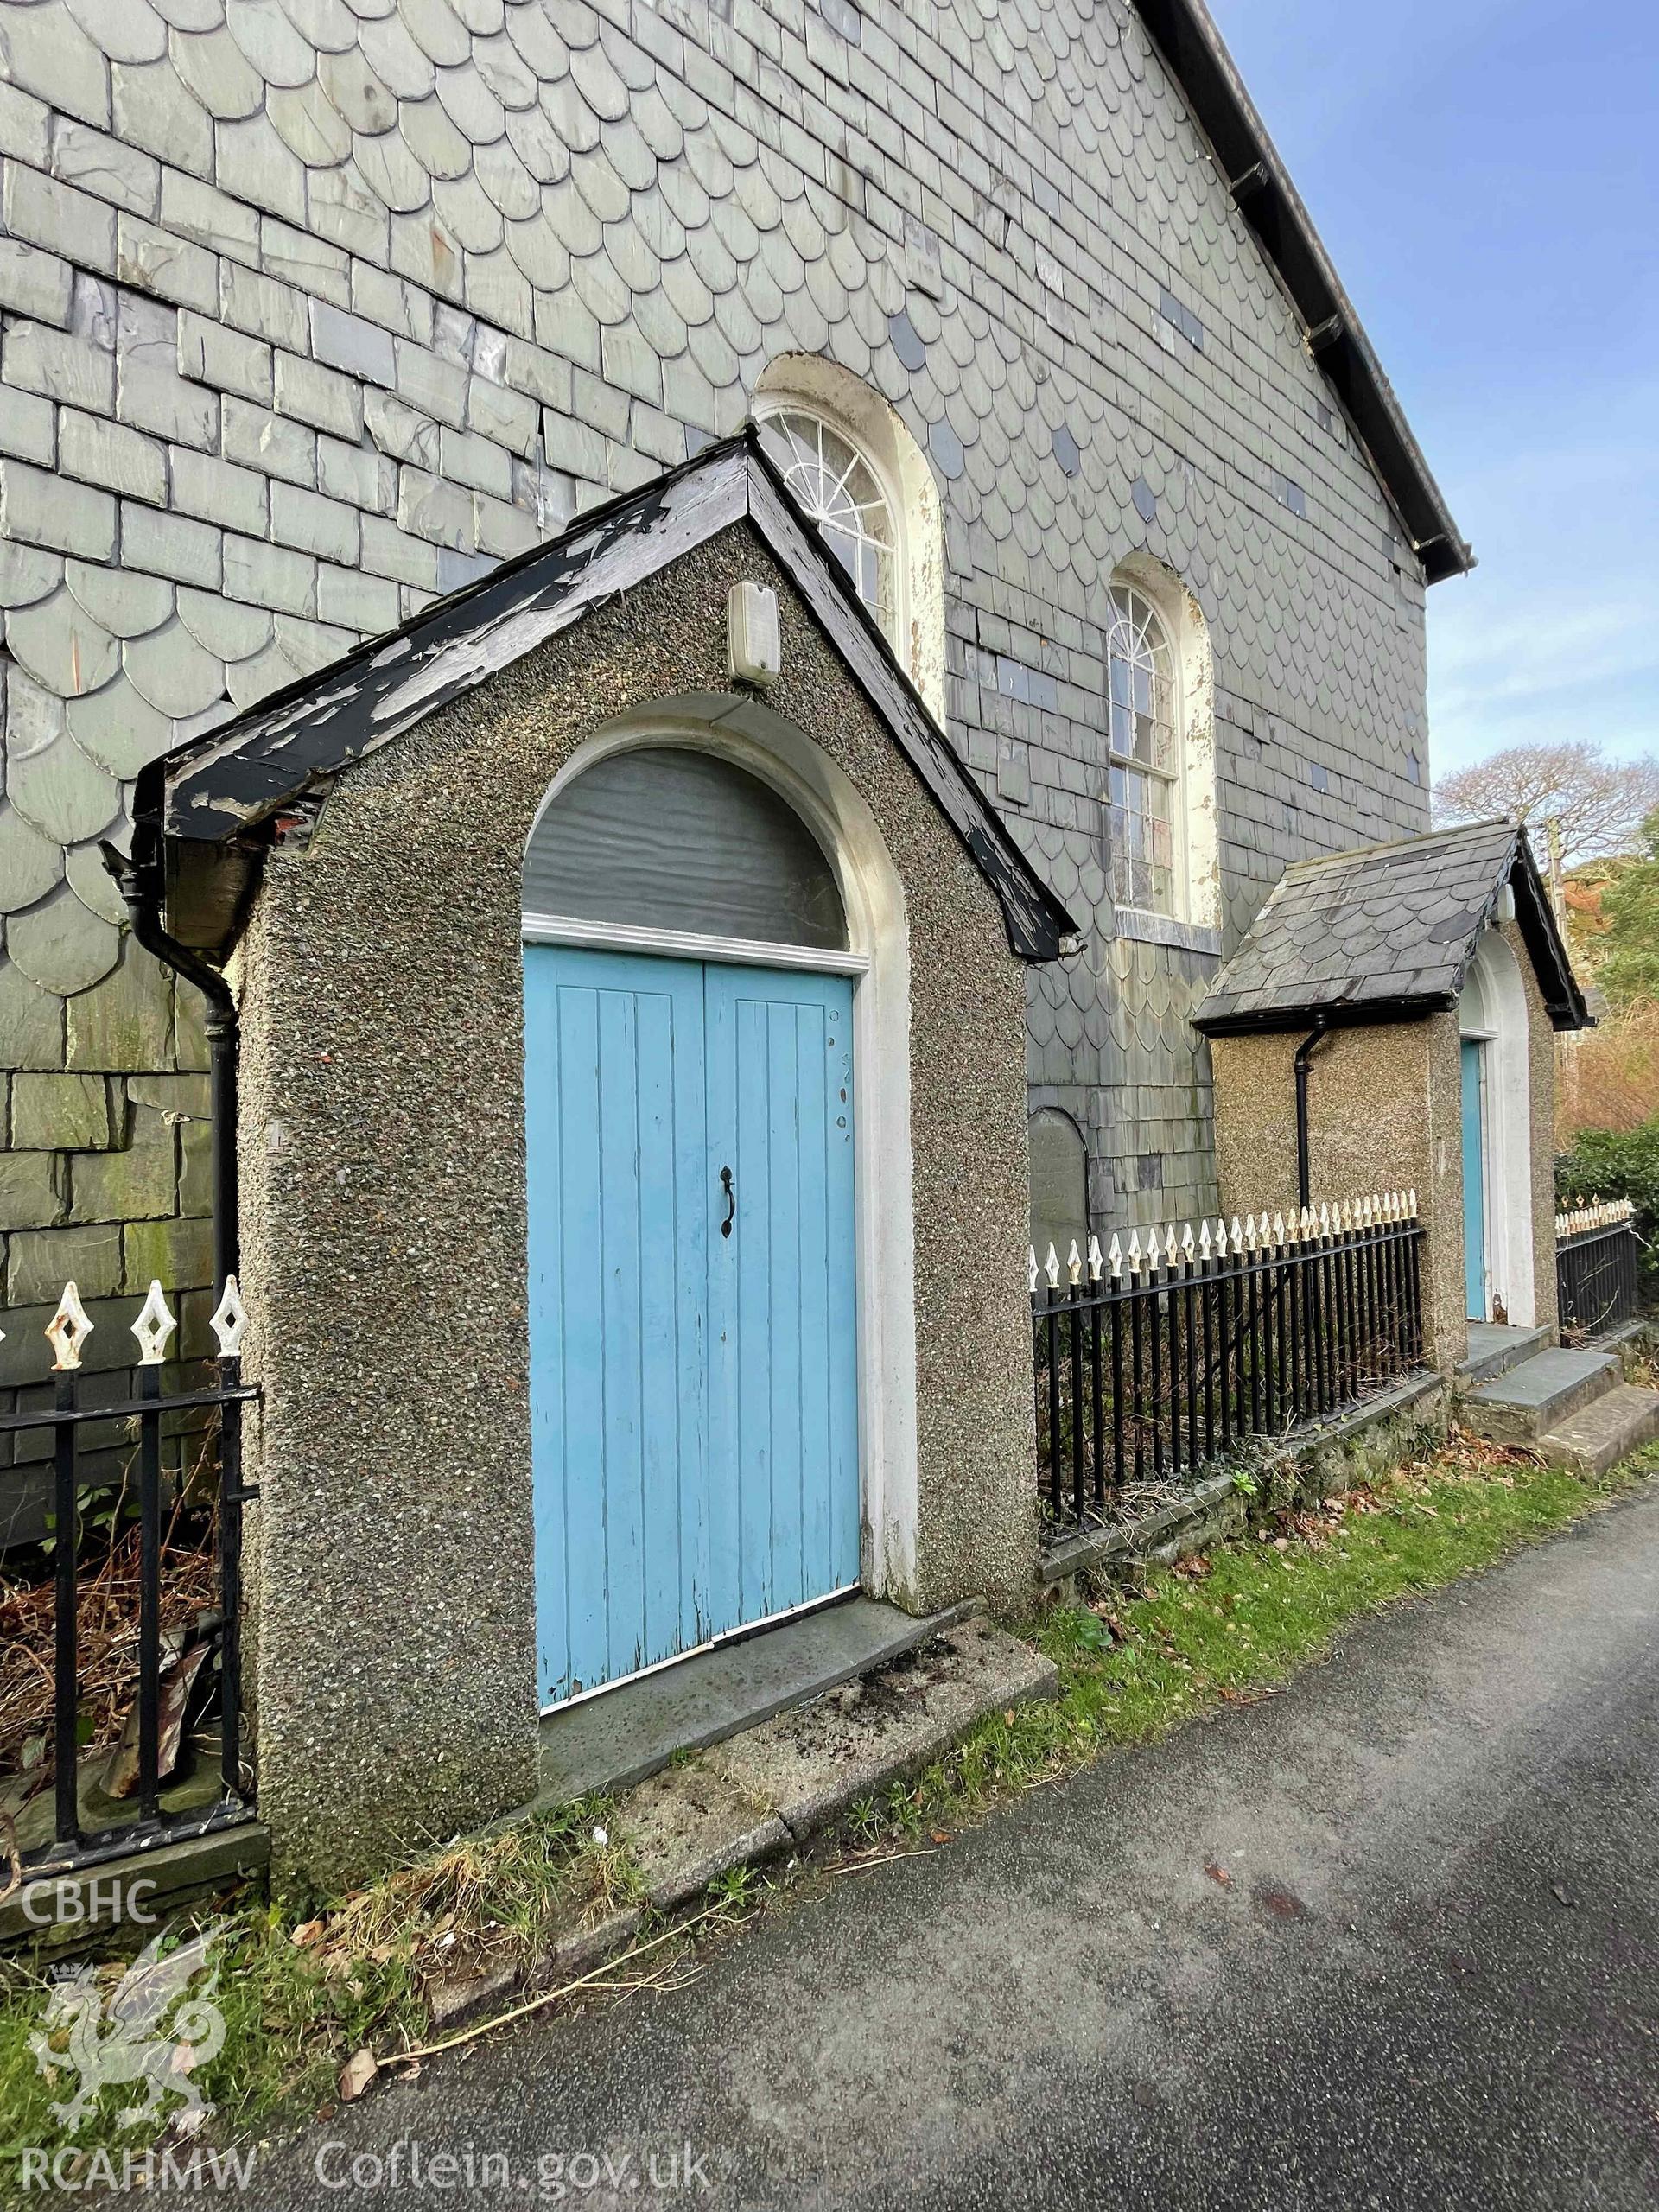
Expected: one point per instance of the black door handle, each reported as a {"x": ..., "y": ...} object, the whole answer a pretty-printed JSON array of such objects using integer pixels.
[{"x": 731, "y": 1201}]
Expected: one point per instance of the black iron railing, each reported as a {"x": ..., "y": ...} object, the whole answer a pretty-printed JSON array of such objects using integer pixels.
[
  {"x": 1156, "y": 1362},
  {"x": 1598, "y": 1285},
  {"x": 155, "y": 1672}
]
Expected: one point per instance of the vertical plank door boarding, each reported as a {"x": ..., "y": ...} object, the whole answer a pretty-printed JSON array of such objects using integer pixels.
[{"x": 693, "y": 1334}]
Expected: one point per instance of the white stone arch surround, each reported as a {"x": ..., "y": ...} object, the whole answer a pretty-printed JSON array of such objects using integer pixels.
[
  {"x": 754, "y": 738},
  {"x": 1493, "y": 1008},
  {"x": 846, "y": 402},
  {"x": 1195, "y": 708}
]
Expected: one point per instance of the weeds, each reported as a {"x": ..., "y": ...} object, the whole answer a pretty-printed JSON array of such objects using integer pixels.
[
  {"x": 299, "y": 1995},
  {"x": 739, "y": 1887},
  {"x": 1231, "y": 1626}
]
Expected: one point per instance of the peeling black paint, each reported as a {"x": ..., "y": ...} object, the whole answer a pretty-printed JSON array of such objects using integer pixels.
[{"x": 211, "y": 803}]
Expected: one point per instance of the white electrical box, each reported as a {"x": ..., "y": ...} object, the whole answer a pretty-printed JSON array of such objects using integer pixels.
[{"x": 752, "y": 635}]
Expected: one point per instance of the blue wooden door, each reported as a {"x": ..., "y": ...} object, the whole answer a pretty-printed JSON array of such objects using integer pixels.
[
  {"x": 783, "y": 1402},
  {"x": 1474, "y": 1179},
  {"x": 693, "y": 1398},
  {"x": 616, "y": 1164}
]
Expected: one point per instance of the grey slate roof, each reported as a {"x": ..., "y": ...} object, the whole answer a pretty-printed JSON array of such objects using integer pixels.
[{"x": 1386, "y": 932}]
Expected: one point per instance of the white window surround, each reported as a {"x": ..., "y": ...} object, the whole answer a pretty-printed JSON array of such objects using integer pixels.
[
  {"x": 812, "y": 386},
  {"x": 1493, "y": 1011},
  {"x": 1147, "y": 829},
  {"x": 1198, "y": 869},
  {"x": 754, "y": 738}
]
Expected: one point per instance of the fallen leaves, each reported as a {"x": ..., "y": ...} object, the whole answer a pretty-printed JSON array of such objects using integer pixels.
[{"x": 358, "y": 2074}]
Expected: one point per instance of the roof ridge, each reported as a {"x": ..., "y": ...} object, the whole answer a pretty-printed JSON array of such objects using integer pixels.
[{"x": 1318, "y": 860}]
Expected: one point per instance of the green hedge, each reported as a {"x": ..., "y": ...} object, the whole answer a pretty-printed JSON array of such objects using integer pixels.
[{"x": 1605, "y": 1164}]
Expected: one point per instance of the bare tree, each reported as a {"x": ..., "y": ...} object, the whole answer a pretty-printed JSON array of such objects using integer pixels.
[{"x": 1597, "y": 804}]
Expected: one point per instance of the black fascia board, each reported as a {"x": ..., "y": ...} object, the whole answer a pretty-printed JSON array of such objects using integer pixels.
[
  {"x": 1197, "y": 57},
  {"x": 289, "y": 744},
  {"x": 1351, "y": 1014}
]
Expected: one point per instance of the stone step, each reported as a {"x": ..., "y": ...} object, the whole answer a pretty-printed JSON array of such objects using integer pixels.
[
  {"x": 1494, "y": 1349},
  {"x": 1536, "y": 1398},
  {"x": 614, "y": 1740},
  {"x": 1605, "y": 1431}
]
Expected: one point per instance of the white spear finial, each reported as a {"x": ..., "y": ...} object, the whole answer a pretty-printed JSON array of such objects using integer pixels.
[
  {"x": 1204, "y": 1242},
  {"x": 1237, "y": 1235},
  {"x": 1031, "y": 1269},
  {"x": 1052, "y": 1269},
  {"x": 1324, "y": 1216},
  {"x": 153, "y": 1327},
  {"x": 229, "y": 1320},
  {"x": 1187, "y": 1246},
  {"x": 1074, "y": 1265},
  {"x": 1094, "y": 1259},
  {"x": 68, "y": 1329},
  {"x": 1135, "y": 1251},
  {"x": 1115, "y": 1258},
  {"x": 1278, "y": 1228}
]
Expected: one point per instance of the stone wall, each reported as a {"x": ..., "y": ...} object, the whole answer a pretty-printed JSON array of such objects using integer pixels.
[
  {"x": 1407, "y": 1137},
  {"x": 315, "y": 308},
  {"x": 107, "y": 1184}
]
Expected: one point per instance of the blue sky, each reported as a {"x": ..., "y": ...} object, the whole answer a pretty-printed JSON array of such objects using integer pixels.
[{"x": 1485, "y": 174}]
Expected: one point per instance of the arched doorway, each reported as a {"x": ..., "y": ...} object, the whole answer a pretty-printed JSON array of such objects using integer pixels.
[
  {"x": 692, "y": 1145},
  {"x": 1496, "y": 1107}
]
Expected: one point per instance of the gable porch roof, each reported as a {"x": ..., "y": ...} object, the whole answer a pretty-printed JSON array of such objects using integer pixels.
[
  {"x": 204, "y": 809},
  {"x": 1388, "y": 933}
]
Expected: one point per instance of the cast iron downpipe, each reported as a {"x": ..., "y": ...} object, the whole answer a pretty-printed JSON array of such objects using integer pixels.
[
  {"x": 139, "y": 887},
  {"x": 1304, "y": 1052}
]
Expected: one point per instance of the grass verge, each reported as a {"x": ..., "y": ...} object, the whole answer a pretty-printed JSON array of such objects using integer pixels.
[
  {"x": 299, "y": 1995},
  {"x": 1230, "y": 1624},
  {"x": 298, "y": 1990}
]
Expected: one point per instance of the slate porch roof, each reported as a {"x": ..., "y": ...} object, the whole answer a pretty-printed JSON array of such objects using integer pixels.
[
  {"x": 204, "y": 811},
  {"x": 1387, "y": 932}
]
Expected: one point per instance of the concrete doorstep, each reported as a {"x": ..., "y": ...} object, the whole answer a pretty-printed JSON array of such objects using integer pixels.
[{"x": 769, "y": 1789}]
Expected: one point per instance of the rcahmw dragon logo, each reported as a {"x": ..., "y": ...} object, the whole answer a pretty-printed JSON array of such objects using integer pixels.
[{"x": 150, "y": 2030}]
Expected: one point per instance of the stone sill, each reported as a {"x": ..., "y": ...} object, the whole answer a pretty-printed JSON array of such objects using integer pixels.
[
  {"x": 1179, "y": 1526},
  {"x": 1142, "y": 928}
]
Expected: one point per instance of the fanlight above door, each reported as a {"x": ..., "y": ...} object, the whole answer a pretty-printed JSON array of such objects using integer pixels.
[{"x": 663, "y": 837}]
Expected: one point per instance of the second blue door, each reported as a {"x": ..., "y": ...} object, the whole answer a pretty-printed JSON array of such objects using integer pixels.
[
  {"x": 1474, "y": 1178},
  {"x": 693, "y": 1303}
]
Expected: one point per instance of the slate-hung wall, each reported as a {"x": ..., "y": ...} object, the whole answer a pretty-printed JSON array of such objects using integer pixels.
[{"x": 314, "y": 309}]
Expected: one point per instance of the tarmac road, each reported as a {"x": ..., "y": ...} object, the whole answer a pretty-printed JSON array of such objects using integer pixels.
[{"x": 1429, "y": 1979}]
